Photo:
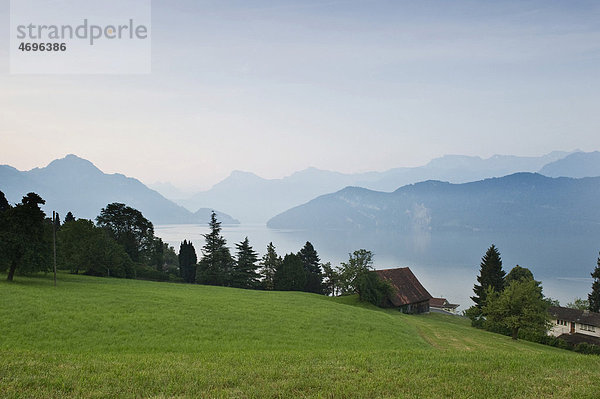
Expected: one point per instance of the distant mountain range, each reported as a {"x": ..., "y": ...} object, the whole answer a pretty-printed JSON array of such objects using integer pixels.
[
  {"x": 523, "y": 202},
  {"x": 76, "y": 185},
  {"x": 254, "y": 199},
  {"x": 579, "y": 164}
]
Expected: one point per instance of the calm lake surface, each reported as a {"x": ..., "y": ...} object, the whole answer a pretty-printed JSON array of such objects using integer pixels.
[{"x": 447, "y": 264}]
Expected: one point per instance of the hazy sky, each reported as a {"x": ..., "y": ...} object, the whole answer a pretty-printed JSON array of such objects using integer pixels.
[{"x": 276, "y": 86}]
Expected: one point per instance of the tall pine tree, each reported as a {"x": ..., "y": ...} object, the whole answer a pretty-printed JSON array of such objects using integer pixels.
[
  {"x": 4, "y": 205},
  {"x": 312, "y": 269},
  {"x": 290, "y": 275},
  {"x": 244, "y": 274},
  {"x": 216, "y": 264},
  {"x": 187, "y": 261},
  {"x": 594, "y": 296},
  {"x": 69, "y": 217},
  {"x": 490, "y": 275},
  {"x": 269, "y": 264}
]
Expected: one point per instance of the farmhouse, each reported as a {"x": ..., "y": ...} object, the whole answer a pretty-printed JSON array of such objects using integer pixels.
[
  {"x": 574, "y": 325},
  {"x": 410, "y": 295},
  {"x": 442, "y": 305}
]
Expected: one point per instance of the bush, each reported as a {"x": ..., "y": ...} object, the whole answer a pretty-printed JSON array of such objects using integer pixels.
[
  {"x": 373, "y": 289},
  {"x": 588, "y": 349},
  {"x": 149, "y": 273},
  {"x": 474, "y": 314}
]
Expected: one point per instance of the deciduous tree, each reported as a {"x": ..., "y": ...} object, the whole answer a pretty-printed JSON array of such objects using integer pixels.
[
  {"x": 359, "y": 262},
  {"x": 92, "y": 250},
  {"x": 579, "y": 304},
  {"x": 22, "y": 238},
  {"x": 331, "y": 279},
  {"x": 129, "y": 228},
  {"x": 371, "y": 288},
  {"x": 518, "y": 273},
  {"x": 520, "y": 306}
]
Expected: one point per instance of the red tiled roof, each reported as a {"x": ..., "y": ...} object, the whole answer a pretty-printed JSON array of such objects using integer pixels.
[
  {"x": 441, "y": 303},
  {"x": 408, "y": 288},
  {"x": 437, "y": 302}
]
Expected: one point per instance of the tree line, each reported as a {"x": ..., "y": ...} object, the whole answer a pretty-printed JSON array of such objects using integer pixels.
[
  {"x": 121, "y": 243},
  {"x": 513, "y": 304},
  {"x": 301, "y": 271},
  {"x": 508, "y": 303}
]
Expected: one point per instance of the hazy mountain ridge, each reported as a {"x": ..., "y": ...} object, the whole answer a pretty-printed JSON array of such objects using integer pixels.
[
  {"x": 517, "y": 202},
  {"x": 77, "y": 185},
  {"x": 255, "y": 199},
  {"x": 579, "y": 164}
]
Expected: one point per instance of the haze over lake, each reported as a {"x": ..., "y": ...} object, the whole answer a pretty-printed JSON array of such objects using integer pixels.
[{"x": 446, "y": 263}]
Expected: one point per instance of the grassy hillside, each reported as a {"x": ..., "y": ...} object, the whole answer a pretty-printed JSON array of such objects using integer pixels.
[{"x": 92, "y": 337}]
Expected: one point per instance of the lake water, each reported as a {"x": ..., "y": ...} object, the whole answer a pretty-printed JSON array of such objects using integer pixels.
[{"x": 447, "y": 264}]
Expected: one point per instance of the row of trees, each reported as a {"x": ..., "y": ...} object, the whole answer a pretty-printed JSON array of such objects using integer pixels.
[
  {"x": 514, "y": 301},
  {"x": 122, "y": 244},
  {"x": 301, "y": 271},
  {"x": 513, "y": 304}
]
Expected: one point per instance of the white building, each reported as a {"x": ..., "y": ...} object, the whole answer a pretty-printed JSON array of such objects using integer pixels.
[{"x": 574, "y": 325}]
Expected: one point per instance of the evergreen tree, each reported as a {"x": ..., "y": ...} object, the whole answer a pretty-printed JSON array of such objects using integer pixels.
[
  {"x": 69, "y": 217},
  {"x": 594, "y": 296},
  {"x": 312, "y": 269},
  {"x": 269, "y": 264},
  {"x": 244, "y": 274},
  {"x": 290, "y": 275},
  {"x": 187, "y": 262},
  {"x": 490, "y": 275},
  {"x": 216, "y": 264},
  {"x": 4, "y": 205},
  {"x": 57, "y": 221}
]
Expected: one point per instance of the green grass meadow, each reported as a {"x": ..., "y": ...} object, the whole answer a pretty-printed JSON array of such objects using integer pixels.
[{"x": 100, "y": 338}]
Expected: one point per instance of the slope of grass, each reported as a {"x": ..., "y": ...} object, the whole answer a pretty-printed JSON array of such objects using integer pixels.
[{"x": 92, "y": 337}]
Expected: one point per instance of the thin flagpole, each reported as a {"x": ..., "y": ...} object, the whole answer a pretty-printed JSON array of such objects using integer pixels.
[{"x": 54, "y": 242}]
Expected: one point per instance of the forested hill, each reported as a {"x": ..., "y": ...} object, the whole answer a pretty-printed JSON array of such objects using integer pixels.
[
  {"x": 518, "y": 202},
  {"x": 76, "y": 185}
]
